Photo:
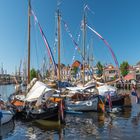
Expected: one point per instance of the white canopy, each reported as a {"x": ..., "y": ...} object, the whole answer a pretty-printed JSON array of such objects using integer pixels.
[
  {"x": 81, "y": 88},
  {"x": 103, "y": 90},
  {"x": 36, "y": 91},
  {"x": 44, "y": 97}
]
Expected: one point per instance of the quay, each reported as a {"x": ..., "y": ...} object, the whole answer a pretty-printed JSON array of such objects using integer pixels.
[
  {"x": 6, "y": 79},
  {"x": 122, "y": 85},
  {"x": 125, "y": 85}
]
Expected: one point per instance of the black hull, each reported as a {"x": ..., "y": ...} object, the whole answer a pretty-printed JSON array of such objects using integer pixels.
[
  {"x": 117, "y": 101},
  {"x": 50, "y": 113}
]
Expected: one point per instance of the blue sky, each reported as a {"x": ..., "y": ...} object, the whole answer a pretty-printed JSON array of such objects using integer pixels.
[{"x": 118, "y": 21}]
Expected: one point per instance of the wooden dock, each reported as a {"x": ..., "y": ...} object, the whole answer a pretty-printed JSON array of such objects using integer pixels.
[{"x": 124, "y": 85}]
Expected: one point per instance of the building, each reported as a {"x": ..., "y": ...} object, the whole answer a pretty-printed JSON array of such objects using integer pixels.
[
  {"x": 136, "y": 71},
  {"x": 110, "y": 73},
  {"x": 65, "y": 72}
]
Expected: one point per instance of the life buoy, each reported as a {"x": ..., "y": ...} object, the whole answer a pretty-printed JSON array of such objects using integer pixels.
[{"x": 89, "y": 103}]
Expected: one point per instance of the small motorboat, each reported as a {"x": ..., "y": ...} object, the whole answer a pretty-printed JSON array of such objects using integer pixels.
[
  {"x": 5, "y": 114},
  {"x": 114, "y": 110}
]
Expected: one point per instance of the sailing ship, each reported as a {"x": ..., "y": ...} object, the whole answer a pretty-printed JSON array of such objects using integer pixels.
[
  {"x": 35, "y": 102},
  {"x": 85, "y": 97},
  {"x": 39, "y": 103},
  {"x": 114, "y": 99}
]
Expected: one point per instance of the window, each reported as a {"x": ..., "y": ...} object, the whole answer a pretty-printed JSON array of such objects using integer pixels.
[{"x": 111, "y": 71}]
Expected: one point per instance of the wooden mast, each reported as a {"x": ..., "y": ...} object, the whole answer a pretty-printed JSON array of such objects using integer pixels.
[
  {"x": 29, "y": 13},
  {"x": 84, "y": 43},
  {"x": 58, "y": 26}
]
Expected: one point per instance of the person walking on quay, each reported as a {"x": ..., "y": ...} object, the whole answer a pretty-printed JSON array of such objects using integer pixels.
[{"x": 134, "y": 93}]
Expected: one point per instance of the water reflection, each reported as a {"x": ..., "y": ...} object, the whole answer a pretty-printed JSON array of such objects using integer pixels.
[
  {"x": 136, "y": 119},
  {"x": 95, "y": 125},
  {"x": 122, "y": 125},
  {"x": 7, "y": 129},
  {"x": 83, "y": 125},
  {"x": 43, "y": 129},
  {"x": 6, "y": 90}
]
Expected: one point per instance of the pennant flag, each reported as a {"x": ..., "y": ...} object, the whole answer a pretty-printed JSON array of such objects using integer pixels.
[
  {"x": 72, "y": 38},
  {"x": 45, "y": 41},
  {"x": 107, "y": 44},
  {"x": 109, "y": 100}
]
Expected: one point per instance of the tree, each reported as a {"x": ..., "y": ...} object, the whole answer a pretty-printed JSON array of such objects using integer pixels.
[
  {"x": 74, "y": 71},
  {"x": 138, "y": 63},
  {"x": 100, "y": 68},
  {"x": 48, "y": 73},
  {"x": 124, "y": 67},
  {"x": 33, "y": 73}
]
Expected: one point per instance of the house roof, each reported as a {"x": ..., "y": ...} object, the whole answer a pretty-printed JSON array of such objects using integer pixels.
[
  {"x": 110, "y": 67},
  {"x": 129, "y": 76},
  {"x": 76, "y": 63}
]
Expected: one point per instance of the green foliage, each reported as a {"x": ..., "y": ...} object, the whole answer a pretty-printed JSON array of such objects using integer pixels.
[
  {"x": 100, "y": 68},
  {"x": 48, "y": 73},
  {"x": 124, "y": 67},
  {"x": 138, "y": 63},
  {"x": 33, "y": 73},
  {"x": 74, "y": 71}
]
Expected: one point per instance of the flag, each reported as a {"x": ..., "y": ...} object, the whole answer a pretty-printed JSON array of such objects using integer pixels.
[
  {"x": 101, "y": 104},
  {"x": 45, "y": 40},
  {"x": 109, "y": 100},
  {"x": 107, "y": 44},
  {"x": 61, "y": 110}
]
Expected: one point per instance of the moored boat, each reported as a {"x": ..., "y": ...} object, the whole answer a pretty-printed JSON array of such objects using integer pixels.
[
  {"x": 82, "y": 99},
  {"x": 5, "y": 116},
  {"x": 38, "y": 103},
  {"x": 82, "y": 105},
  {"x": 116, "y": 101},
  {"x": 111, "y": 96}
]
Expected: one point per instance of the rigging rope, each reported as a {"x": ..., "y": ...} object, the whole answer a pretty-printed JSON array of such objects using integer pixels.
[
  {"x": 59, "y": 2},
  {"x": 87, "y": 8}
]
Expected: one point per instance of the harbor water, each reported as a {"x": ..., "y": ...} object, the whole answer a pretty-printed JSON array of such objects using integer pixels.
[{"x": 86, "y": 126}]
